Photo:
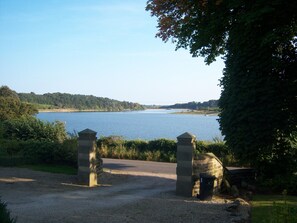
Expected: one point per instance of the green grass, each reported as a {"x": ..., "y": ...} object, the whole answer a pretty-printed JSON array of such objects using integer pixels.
[
  {"x": 53, "y": 168},
  {"x": 274, "y": 209}
]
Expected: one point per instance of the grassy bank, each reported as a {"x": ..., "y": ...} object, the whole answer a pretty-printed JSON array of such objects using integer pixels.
[{"x": 274, "y": 209}]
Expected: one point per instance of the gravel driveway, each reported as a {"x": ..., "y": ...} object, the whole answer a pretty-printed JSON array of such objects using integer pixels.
[{"x": 34, "y": 196}]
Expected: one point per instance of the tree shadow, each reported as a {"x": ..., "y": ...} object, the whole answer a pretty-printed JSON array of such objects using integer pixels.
[
  {"x": 130, "y": 197},
  {"x": 116, "y": 166}
]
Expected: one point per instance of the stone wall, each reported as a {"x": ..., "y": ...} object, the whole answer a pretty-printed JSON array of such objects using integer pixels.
[{"x": 207, "y": 163}]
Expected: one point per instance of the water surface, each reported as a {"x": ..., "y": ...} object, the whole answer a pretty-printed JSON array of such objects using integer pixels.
[{"x": 147, "y": 124}]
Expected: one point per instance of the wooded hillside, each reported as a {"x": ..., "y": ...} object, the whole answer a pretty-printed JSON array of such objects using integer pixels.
[
  {"x": 194, "y": 105},
  {"x": 79, "y": 102}
]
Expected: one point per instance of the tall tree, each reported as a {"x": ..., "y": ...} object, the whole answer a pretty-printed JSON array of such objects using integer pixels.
[
  {"x": 11, "y": 106},
  {"x": 257, "y": 39}
]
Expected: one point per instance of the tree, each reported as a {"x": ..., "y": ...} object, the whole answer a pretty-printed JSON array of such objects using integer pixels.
[
  {"x": 11, "y": 106},
  {"x": 257, "y": 39},
  {"x": 81, "y": 102}
]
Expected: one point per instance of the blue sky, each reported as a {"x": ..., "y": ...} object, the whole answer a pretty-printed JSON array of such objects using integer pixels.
[{"x": 101, "y": 48}]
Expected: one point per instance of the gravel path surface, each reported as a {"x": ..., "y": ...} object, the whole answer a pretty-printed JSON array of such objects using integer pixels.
[{"x": 34, "y": 196}]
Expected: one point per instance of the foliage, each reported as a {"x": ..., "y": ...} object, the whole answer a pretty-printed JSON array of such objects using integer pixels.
[
  {"x": 278, "y": 183},
  {"x": 258, "y": 102},
  {"x": 259, "y": 86},
  {"x": 218, "y": 148},
  {"x": 80, "y": 102},
  {"x": 194, "y": 105},
  {"x": 9, "y": 147},
  {"x": 19, "y": 152},
  {"x": 163, "y": 150},
  {"x": 155, "y": 150},
  {"x": 26, "y": 128},
  {"x": 11, "y": 106},
  {"x": 5, "y": 214},
  {"x": 201, "y": 26},
  {"x": 44, "y": 152},
  {"x": 6, "y": 92},
  {"x": 138, "y": 144},
  {"x": 274, "y": 208},
  {"x": 10, "y": 153}
]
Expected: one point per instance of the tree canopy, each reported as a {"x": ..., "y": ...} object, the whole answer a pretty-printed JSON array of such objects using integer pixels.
[
  {"x": 11, "y": 106},
  {"x": 193, "y": 105},
  {"x": 257, "y": 39},
  {"x": 80, "y": 102}
]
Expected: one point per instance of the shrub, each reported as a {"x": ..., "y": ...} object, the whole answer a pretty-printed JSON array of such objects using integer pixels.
[
  {"x": 165, "y": 150},
  {"x": 278, "y": 183},
  {"x": 218, "y": 148},
  {"x": 159, "y": 149},
  {"x": 138, "y": 144},
  {"x": 69, "y": 152},
  {"x": 164, "y": 145},
  {"x": 103, "y": 150},
  {"x": 50, "y": 152},
  {"x": 152, "y": 155},
  {"x": 19, "y": 152},
  {"x": 155, "y": 150},
  {"x": 1, "y": 129},
  {"x": 10, "y": 153},
  {"x": 110, "y": 141},
  {"x": 9, "y": 147},
  {"x": 201, "y": 147},
  {"x": 27, "y": 128},
  {"x": 5, "y": 214}
]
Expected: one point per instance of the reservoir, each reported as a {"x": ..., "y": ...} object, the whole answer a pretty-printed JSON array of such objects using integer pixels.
[{"x": 147, "y": 124}]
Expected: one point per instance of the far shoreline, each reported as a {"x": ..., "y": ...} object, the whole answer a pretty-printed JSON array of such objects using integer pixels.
[
  {"x": 197, "y": 112},
  {"x": 77, "y": 110},
  {"x": 184, "y": 112}
]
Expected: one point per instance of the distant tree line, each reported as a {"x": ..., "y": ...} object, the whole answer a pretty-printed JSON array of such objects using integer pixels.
[
  {"x": 80, "y": 102},
  {"x": 194, "y": 105}
]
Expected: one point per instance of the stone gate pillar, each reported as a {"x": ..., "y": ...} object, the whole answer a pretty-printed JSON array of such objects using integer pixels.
[
  {"x": 87, "y": 174},
  {"x": 184, "y": 170}
]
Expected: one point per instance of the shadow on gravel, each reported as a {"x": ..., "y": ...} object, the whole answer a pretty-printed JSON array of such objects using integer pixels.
[
  {"x": 117, "y": 166},
  {"x": 35, "y": 196}
]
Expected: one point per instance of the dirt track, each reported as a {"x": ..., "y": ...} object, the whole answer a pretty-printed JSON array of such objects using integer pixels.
[{"x": 41, "y": 197}]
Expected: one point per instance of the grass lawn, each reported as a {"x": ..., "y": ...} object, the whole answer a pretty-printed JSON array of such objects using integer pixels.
[
  {"x": 274, "y": 209},
  {"x": 52, "y": 168}
]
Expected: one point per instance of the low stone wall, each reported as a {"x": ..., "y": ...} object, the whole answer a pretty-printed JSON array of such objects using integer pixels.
[{"x": 207, "y": 163}]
